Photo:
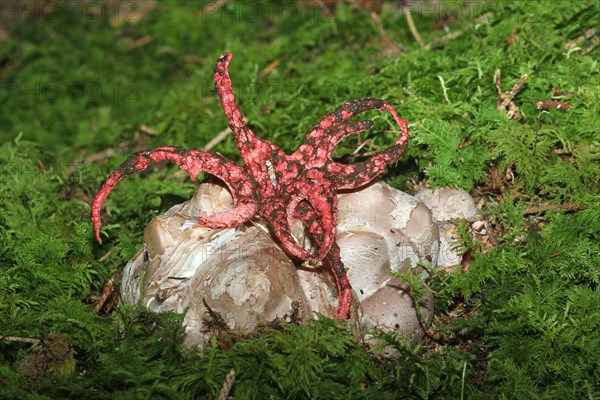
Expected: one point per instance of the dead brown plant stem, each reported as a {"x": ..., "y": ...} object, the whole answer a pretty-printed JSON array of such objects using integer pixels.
[
  {"x": 227, "y": 385},
  {"x": 217, "y": 139},
  {"x": 386, "y": 43},
  {"x": 268, "y": 69},
  {"x": 207, "y": 147},
  {"x": 104, "y": 257},
  {"x": 18, "y": 339},
  {"x": 412, "y": 27},
  {"x": 549, "y": 207}
]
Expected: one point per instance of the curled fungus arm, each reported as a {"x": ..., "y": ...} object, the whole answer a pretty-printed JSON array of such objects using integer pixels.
[{"x": 192, "y": 162}]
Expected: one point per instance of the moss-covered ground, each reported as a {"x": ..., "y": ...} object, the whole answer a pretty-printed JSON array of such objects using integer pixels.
[{"x": 84, "y": 84}]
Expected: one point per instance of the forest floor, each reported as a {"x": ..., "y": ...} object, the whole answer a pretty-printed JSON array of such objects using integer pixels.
[{"x": 502, "y": 99}]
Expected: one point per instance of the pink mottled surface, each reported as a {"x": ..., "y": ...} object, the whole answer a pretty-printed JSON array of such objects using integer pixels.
[{"x": 306, "y": 182}]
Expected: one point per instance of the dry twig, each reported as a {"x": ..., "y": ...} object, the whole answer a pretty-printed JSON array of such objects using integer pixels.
[
  {"x": 217, "y": 139},
  {"x": 227, "y": 385},
  {"x": 207, "y": 147},
  {"x": 268, "y": 69},
  {"x": 387, "y": 45},
  {"x": 549, "y": 207},
  {"x": 506, "y": 100},
  {"x": 556, "y": 94},
  {"x": 18, "y": 339},
  {"x": 108, "y": 290},
  {"x": 553, "y": 105},
  {"x": 412, "y": 27}
]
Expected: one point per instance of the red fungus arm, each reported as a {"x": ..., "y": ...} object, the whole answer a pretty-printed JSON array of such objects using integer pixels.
[
  {"x": 359, "y": 174},
  {"x": 333, "y": 260},
  {"x": 192, "y": 162},
  {"x": 225, "y": 91},
  {"x": 321, "y": 204},
  {"x": 304, "y": 185},
  {"x": 254, "y": 151},
  {"x": 319, "y": 144},
  {"x": 352, "y": 176}
]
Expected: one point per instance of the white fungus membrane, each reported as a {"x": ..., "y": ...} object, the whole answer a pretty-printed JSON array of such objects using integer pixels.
[{"x": 244, "y": 276}]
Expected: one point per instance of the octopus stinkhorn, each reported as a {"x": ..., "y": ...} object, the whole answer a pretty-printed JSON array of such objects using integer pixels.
[
  {"x": 242, "y": 279},
  {"x": 301, "y": 186}
]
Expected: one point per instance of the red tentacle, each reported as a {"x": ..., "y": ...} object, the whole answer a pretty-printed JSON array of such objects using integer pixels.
[
  {"x": 322, "y": 203},
  {"x": 254, "y": 151},
  {"x": 319, "y": 144},
  {"x": 334, "y": 262},
  {"x": 225, "y": 91},
  {"x": 193, "y": 162},
  {"x": 359, "y": 174}
]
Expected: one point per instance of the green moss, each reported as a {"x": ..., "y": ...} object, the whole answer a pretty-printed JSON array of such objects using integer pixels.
[{"x": 74, "y": 85}]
